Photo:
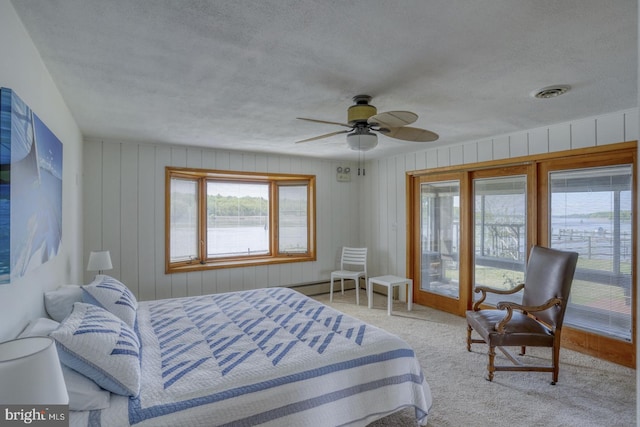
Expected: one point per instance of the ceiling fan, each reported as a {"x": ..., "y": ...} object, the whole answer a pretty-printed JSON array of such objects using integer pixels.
[{"x": 364, "y": 119}]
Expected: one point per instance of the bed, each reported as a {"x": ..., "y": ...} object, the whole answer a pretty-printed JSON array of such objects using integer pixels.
[{"x": 271, "y": 357}]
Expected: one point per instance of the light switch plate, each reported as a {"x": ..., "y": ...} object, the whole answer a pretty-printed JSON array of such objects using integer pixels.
[{"x": 343, "y": 177}]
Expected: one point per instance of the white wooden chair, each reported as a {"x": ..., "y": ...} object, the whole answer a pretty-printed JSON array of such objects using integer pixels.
[{"x": 353, "y": 265}]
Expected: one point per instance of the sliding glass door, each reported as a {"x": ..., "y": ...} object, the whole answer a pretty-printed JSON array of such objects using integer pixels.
[
  {"x": 500, "y": 233},
  {"x": 474, "y": 226},
  {"x": 440, "y": 225},
  {"x": 437, "y": 251}
]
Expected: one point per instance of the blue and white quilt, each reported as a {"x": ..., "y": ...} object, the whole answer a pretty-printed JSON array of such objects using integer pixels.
[{"x": 271, "y": 357}]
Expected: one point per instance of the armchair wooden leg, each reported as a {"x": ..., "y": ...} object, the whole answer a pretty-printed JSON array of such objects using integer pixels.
[
  {"x": 523, "y": 350},
  {"x": 469, "y": 338},
  {"x": 491, "y": 366},
  {"x": 556, "y": 363}
]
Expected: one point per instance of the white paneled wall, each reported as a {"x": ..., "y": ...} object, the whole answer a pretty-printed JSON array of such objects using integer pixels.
[
  {"x": 123, "y": 190},
  {"x": 385, "y": 213}
]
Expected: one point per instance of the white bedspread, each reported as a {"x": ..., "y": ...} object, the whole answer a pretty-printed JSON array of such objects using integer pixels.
[{"x": 268, "y": 357}]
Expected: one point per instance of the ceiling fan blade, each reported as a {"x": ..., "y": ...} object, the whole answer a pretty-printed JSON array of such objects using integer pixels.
[
  {"x": 393, "y": 119},
  {"x": 406, "y": 133},
  {"x": 325, "y": 122},
  {"x": 327, "y": 135}
]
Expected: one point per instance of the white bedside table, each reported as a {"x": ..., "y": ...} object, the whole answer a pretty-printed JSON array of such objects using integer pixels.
[{"x": 390, "y": 281}]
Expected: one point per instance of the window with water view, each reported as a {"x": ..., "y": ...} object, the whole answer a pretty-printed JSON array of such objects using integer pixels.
[
  {"x": 591, "y": 214},
  {"x": 220, "y": 219},
  {"x": 237, "y": 219},
  {"x": 474, "y": 226}
]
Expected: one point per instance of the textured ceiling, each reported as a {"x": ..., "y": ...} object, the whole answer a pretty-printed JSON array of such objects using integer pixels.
[{"x": 236, "y": 74}]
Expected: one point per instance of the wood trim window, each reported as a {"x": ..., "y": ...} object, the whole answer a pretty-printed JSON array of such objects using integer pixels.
[
  {"x": 220, "y": 219},
  {"x": 582, "y": 200}
]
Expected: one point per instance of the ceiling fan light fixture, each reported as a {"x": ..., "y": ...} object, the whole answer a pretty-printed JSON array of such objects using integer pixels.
[
  {"x": 362, "y": 140},
  {"x": 550, "y": 91}
]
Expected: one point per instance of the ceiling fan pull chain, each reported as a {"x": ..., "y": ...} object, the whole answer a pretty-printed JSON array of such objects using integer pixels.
[{"x": 364, "y": 160}]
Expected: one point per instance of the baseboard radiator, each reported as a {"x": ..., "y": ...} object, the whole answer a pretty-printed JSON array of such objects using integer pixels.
[{"x": 322, "y": 287}]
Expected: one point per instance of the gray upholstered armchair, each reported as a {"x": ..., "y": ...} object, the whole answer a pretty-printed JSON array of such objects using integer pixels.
[{"x": 537, "y": 322}]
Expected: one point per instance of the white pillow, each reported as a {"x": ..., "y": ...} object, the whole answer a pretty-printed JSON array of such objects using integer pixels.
[
  {"x": 100, "y": 346},
  {"x": 84, "y": 394},
  {"x": 59, "y": 302},
  {"x": 113, "y": 296}
]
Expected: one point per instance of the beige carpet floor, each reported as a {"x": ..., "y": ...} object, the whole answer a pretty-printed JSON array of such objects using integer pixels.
[{"x": 590, "y": 392}]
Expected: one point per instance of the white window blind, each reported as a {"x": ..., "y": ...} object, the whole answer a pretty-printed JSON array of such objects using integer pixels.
[
  {"x": 591, "y": 214},
  {"x": 184, "y": 219},
  {"x": 292, "y": 219}
]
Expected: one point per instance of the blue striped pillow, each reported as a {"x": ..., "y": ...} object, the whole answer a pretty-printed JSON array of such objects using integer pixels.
[
  {"x": 100, "y": 346},
  {"x": 113, "y": 296}
]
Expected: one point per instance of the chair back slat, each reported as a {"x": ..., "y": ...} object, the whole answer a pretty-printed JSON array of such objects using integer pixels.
[{"x": 356, "y": 257}]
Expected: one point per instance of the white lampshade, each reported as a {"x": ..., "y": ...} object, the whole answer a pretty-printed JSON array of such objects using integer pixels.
[
  {"x": 362, "y": 140},
  {"x": 99, "y": 261},
  {"x": 30, "y": 373}
]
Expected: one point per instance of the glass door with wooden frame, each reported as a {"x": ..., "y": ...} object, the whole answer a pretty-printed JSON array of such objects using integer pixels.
[
  {"x": 436, "y": 267},
  {"x": 500, "y": 224},
  {"x": 476, "y": 224}
]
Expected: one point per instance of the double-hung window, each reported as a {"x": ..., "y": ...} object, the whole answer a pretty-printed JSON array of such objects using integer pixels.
[{"x": 217, "y": 219}]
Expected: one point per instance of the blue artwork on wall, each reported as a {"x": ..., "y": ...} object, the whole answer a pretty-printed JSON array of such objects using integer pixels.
[{"x": 30, "y": 189}]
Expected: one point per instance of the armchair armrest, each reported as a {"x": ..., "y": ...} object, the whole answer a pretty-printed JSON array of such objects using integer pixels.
[
  {"x": 510, "y": 306},
  {"x": 485, "y": 289}
]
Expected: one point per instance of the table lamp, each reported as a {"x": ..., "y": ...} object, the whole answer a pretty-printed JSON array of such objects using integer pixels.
[
  {"x": 99, "y": 261},
  {"x": 30, "y": 373}
]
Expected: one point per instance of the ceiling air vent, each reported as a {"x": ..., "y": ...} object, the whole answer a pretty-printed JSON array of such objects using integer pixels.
[{"x": 550, "y": 91}]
